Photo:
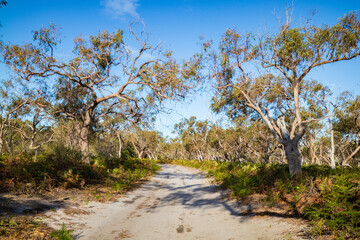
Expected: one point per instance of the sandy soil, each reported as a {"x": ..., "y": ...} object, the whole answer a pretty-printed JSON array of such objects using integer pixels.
[{"x": 178, "y": 203}]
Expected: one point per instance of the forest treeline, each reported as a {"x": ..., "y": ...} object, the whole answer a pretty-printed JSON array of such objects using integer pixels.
[{"x": 103, "y": 99}]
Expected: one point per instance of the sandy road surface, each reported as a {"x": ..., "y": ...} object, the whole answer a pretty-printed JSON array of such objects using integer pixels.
[{"x": 178, "y": 203}]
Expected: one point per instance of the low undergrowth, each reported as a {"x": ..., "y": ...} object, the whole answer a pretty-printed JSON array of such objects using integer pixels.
[
  {"x": 329, "y": 198},
  {"x": 64, "y": 168},
  {"x": 13, "y": 228},
  {"x": 62, "y": 234},
  {"x": 30, "y": 227},
  {"x": 61, "y": 170}
]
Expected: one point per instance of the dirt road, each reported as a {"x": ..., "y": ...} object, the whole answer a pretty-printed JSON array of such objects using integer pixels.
[{"x": 178, "y": 203}]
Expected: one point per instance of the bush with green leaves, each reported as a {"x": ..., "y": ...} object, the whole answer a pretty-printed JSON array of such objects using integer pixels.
[
  {"x": 60, "y": 166},
  {"x": 63, "y": 233}
]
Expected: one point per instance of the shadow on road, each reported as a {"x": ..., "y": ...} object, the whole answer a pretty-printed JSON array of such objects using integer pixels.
[
  {"x": 203, "y": 196},
  {"x": 18, "y": 207}
]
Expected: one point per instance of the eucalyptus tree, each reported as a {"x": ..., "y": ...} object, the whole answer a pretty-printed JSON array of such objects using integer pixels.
[
  {"x": 322, "y": 103},
  {"x": 36, "y": 129},
  {"x": 146, "y": 142},
  {"x": 173, "y": 149},
  {"x": 283, "y": 61},
  {"x": 194, "y": 137},
  {"x": 14, "y": 102},
  {"x": 347, "y": 123},
  {"x": 103, "y": 76},
  {"x": 259, "y": 144},
  {"x": 155, "y": 142},
  {"x": 9, "y": 114},
  {"x": 116, "y": 127}
]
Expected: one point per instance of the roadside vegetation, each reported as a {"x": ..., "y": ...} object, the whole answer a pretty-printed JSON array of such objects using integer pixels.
[
  {"x": 61, "y": 167},
  {"x": 57, "y": 171},
  {"x": 12, "y": 228}
]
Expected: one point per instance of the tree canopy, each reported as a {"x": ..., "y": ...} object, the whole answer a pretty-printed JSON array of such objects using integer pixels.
[
  {"x": 104, "y": 76},
  {"x": 283, "y": 61}
]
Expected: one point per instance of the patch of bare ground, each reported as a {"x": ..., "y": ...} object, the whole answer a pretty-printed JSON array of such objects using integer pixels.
[
  {"x": 76, "y": 211},
  {"x": 123, "y": 235},
  {"x": 37, "y": 202},
  {"x": 257, "y": 204}
]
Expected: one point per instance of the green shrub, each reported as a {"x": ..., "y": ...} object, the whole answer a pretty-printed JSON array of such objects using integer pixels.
[
  {"x": 59, "y": 166},
  {"x": 63, "y": 233},
  {"x": 128, "y": 152},
  {"x": 107, "y": 162}
]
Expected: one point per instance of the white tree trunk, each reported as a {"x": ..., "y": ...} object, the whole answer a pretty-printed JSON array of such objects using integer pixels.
[
  {"x": 332, "y": 151},
  {"x": 120, "y": 144}
]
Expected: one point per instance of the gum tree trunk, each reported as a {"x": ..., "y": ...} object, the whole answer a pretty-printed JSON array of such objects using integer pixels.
[
  {"x": 292, "y": 156},
  {"x": 332, "y": 151},
  {"x": 348, "y": 158},
  {"x": 84, "y": 137},
  {"x": 120, "y": 144},
  {"x": 312, "y": 153}
]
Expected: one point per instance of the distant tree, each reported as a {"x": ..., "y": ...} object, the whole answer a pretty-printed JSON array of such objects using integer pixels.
[
  {"x": 292, "y": 53},
  {"x": 347, "y": 123},
  {"x": 173, "y": 149},
  {"x": 321, "y": 103},
  {"x": 9, "y": 115},
  {"x": 226, "y": 144},
  {"x": 14, "y": 105},
  {"x": 145, "y": 142},
  {"x": 104, "y": 76},
  {"x": 116, "y": 127},
  {"x": 36, "y": 130},
  {"x": 194, "y": 136}
]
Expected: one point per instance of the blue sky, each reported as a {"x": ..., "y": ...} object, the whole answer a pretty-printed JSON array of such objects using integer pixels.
[{"x": 178, "y": 24}]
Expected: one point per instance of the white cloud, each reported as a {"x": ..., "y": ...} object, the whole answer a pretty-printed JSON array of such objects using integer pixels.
[{"x": 120, "y": 8}]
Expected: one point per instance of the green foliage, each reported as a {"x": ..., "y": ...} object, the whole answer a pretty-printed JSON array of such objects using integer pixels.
[
  {"x": 63, "y": 167},
  {"x": 193, "y": 134},
  {"x": 339, "y": 203},
  {"x": 284, "y": 59},
  {"x": 59, "y": 166},
  {"x": 130, "y": 172},
  {"x": 128, "y": 152},
  {"x": 107, "y": 162},
  {"x": 63, "y": 233},
  {"x": 329, "y": 198}
]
